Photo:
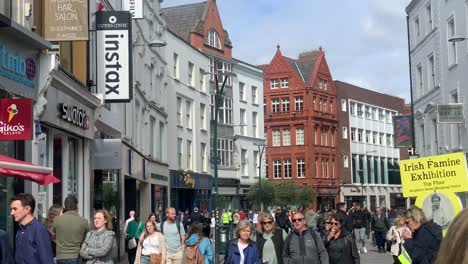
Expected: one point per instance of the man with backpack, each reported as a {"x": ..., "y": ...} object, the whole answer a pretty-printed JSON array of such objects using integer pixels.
[
  {"x": 174, "y": 235},
  {"x": 303, "y": 245}
]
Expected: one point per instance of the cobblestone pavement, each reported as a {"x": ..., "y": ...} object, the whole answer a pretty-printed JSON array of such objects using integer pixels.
[{"x": 374, "y": 257}]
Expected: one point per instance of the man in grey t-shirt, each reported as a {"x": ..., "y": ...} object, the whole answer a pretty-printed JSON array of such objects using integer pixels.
[{"x": 174, "y": 237}]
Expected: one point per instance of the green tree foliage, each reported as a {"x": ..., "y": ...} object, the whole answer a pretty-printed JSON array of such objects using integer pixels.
[
  {"x": 285, "y": 193},
  {"x": 267, "y": 193},
  {"x": 305, "y": 195}
]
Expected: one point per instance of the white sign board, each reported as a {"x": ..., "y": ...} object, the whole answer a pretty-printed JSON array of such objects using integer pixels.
[
  {"x": 135, "y": 7},
  {"x": 114, "y": 56}
]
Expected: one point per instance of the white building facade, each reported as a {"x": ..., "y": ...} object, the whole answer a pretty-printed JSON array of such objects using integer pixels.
[
  {"x": 438, "y": 73},
  {"x": 189, "y": 125}
]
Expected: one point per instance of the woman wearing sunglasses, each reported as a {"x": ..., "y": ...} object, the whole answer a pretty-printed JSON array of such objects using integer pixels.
[
  {"x": 270, "y": 240},
  {"x": 340, "y": 243},
  {"x": 326, "y": 230}
]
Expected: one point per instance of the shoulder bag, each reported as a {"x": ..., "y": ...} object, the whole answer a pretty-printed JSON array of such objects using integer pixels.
[{"x": 132, "y": 243}]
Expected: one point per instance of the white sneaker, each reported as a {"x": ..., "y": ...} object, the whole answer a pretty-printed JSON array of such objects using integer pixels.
[
  {"x": 359, "y": 251},
  {"x": 364, "y": 249}
]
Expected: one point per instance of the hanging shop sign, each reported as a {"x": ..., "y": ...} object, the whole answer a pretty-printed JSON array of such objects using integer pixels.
[
  {"x": 402, "y": 125},
  {"x": 433, "y": 174},
  {"x": 67, "y": 20},
  {"x": 114, "y": 56},
  {"x": 74, "y": 115},
  {"x": 16, "y": 122},
  {"x": 135, "y": 7}
]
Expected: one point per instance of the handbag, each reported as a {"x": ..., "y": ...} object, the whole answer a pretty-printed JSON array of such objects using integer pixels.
[{"x": 155, "y": 258}]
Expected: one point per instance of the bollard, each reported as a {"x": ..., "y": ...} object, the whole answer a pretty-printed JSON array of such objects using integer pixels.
[{"x": 223, "y": 239}]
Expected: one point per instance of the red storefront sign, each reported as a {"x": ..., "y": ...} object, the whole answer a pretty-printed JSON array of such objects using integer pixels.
[{"x": 16, "y": 119}]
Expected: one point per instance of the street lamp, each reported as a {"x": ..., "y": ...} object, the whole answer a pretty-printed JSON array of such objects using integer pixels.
[
  {"x": 261, "y": 148},
  {"x": 457, "y": 39},
  {"x": 156, "y": 43},
  {"x": 217, "y": 102}
]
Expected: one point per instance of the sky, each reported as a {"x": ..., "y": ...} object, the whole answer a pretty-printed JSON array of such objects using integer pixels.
[{"x": 365, "y": 41}]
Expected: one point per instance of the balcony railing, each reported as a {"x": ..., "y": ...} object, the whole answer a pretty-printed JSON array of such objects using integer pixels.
[{"x": 285, "y": 114}]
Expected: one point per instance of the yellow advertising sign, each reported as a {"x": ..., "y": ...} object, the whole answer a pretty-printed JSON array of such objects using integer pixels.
[
  {"x": 66, "y": 20},
  {"x": 444, "y": 173}
]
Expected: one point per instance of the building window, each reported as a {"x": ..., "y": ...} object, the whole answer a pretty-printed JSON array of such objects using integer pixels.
[
  {"x": 417, "y": 27},
  {"x": 343, "y": 105},
  {"x": 359, "y": 110},
  {"x": 275, "y": 105},
  {"x": 353, "y": 134},
  {"x": 285, "y": 104},
  {"x": 333, "y": 169},
  {"x": 429, "y": 15},
  {"x": 326, "y": 169},
  {"x": 256, "y": 163},
  {"x": 179, "y": 111},
  {"x": 382, "y": 114},
  {"x": 274, "y": 84},
  {"x": 352, "y": 105},
  {"x": 276, "y": 138},
  {"x": 381, "y": 139},
  {"x": 287, "y": 168},
  {"x": 374, "y": 137},
  {"x": 203, "y": 157},
  {"x": 225, "y": 110},
  {"x": 191, "y": 74},
  {"x": 299, "y": 103},
  {"x": 389, "y": 140},
  {"x": 359, "y": 135},
  {"x": 188, "y": 114},
  {"x": 368, "y": 112},
  {"x": 277, "y": 169},
  {"x": 212, "y": 39},
  {"x": 345, "y": 161},
  {"x": 374, "y": 113},
  {"x": 324, "y": 106},
  {"x": 323, "y": 168},
  {"x": 332, "y": 138},
  {"x": 316, "y": 135},
  {"x": 254, "y": 124},
  {"x": 431, "y": 71},
  {"x": 286, "y": 137},
  {"x": 452, "y": 47},
  {"x": 299, "y": 136},
  {"x": 284, "y": 82},
  {"x": 254, "y": 95},
  {"x": 345, "y": 132},
  {"x": 301, "y": 168},
  {"x": 175, "y": 73},
  {"x": 316, "y": 168},
  {"x": 225, "y": 151},
  {"x": 243, "y": 122},
  {"x": 203, "y": 116},
  {"x": 179, "y": 153},
  {"x": 419, "y": 79},
  {"x": 162, "y": 143},
  {"x": 314, "y": 104},
  {"x": 212, "y": 68},
  {"x": 368, "y": 137},
  {"x": 223, "y": 69},
  {"x": 202, "y": 80},
  {"x": 244, "y": 165},
  {"x": 331, "y": 106},
  {"x": 189, "y": 155},
  {"x": 242, "y": 91}
]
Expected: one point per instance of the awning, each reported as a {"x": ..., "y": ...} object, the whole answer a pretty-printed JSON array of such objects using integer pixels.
[{"x": 24, "y": 170}]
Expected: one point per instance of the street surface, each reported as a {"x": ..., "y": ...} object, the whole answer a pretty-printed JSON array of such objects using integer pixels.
[{"x": 374, "y": 257}]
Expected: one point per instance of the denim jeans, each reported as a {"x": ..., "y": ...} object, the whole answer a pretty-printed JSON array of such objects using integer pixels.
[
  {"x": 67, "y": 261},
  {"x": 144, "y": 260}
]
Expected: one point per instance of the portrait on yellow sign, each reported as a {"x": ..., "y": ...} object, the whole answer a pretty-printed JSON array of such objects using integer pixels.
[{"x": 442, "y": 173}]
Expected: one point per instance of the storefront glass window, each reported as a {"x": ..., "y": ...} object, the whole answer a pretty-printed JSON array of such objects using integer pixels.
[
  {"x": 57, "y": 193},
  {"x": 42, "y": 141},
  {"x": 72, "y": 186}
]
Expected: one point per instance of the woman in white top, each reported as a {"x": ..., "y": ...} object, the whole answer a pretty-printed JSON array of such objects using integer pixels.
[
  {"x": 395, "y": 235},
  {"x": 151, "y": 242},
  {"x": 212, "y": 226}
]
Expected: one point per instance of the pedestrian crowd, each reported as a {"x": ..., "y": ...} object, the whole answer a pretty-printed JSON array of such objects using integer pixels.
[{"x": 330, "y": 236}]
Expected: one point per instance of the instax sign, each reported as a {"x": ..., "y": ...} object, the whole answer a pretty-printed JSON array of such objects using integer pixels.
[{"x": 114, "y": 56}]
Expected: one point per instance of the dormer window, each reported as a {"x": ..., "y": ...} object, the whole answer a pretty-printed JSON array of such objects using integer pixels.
[{"x": 212, "y": 39}]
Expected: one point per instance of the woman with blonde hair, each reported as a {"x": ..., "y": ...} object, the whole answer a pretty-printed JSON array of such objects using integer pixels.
[
  {"x": 54, "y": 211},
  {"x": 424, "y": 241},
  {"x": 96, "y": 247},
  {"x": 151, "y": 246},
  {"x": 454, "y": 247},
  {"x": 242, "y": 250},
  {"x": 394, "y": 234},
  {"x": 270, "y": 240}
]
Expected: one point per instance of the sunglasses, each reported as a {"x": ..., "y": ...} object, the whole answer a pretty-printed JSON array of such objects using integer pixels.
[
  {"x": 267, "y": 223},
  {"x": 334, "y": 223},
  {"x": 297, "y": 220},
  {"x": 327, "y": 223}
]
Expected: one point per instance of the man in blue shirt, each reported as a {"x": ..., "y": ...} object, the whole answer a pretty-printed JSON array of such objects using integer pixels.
[{"x": 33, "y": 244}]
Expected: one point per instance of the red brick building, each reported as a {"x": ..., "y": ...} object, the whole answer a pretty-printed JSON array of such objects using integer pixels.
[{"x": 301, "y": 124}]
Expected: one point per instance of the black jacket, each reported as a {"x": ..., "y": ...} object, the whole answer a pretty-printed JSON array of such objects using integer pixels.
[
  {"x": 342, "y": 250},
  {"x": 6, "y": 256},
  {"x": 425, "y": 244},
  {"x": 278, "y": 242},
  {"x": 347, "y": 221},
  {"x": 359, "y": 218}
]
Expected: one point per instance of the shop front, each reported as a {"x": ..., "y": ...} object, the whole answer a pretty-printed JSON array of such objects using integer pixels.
[
  {"x": 64, "y": 132},
  {"x": 190, "y": 189},
  {"x": 326, "y": 198},
  {"x": 19, "y": 70}
]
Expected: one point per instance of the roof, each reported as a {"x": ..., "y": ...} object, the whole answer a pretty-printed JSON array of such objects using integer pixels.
[
  {"x": 183, "y": 19},
  {"x": 304, "y": 66}
]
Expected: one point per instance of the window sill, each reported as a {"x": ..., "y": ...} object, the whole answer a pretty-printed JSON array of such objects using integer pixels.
[
  {"x": 243, "y": 101},
  {"x": 180, "y": 126},
  {"x": 255, "y": 104},
  {"x": 452, "y": 66},
  {"x": 189, "y": 129},
  {"x": 203, "y": 130}
]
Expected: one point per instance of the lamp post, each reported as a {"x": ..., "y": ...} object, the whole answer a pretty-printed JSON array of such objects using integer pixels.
[
  {"x": 261, "y": 149},
  {"x": 215, "y": 158}
]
